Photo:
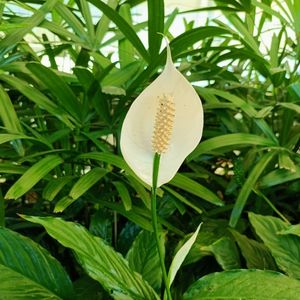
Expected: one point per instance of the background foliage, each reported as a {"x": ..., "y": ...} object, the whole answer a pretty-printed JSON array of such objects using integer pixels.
[{"x": 60, "y": 157}]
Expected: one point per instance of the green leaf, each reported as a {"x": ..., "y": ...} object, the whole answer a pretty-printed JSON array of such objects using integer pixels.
[
  {"x": 109, "y": 158},
  {"x": 141, "y": 191},
  {"x": 236, "y": 140},
  {"x": 143, "y": 257},
  {"x": 61, "y": 31},
  {"x": 84, "y": 183},
  {"x": 57, "y": 87},
  {"x": 195, "y": 188},
  {"x": 11, "y": 168},
  {"x": 99, "y": 260},
  {"x": 120, "y": 77},
  {"x": 177, "y": 45},
  {"x": 7, "y": 137},
  {"x": 120, "y": 163},
  {"x": 8, "y": 113},
  {"x": 211, "y": 232},
  {"x": 14, "y": 285},
  {"x": 155, "y": 26},
  {"x": 244, "y": 285},
  {"x": 170, "y": 19},
  {"x": 136, "y": 215},
  {"x": 291, "y": 106},
  {"x": 226, "y": 253},
  {"x": 274, "y": 49},
  {"x": 21, "y": 258},
  {"x": 180, "y": 257},
  {"x": 285, "y": 162},
  {"x": 124, "y": 194},
  {"x": 37, "y": 97},
  {"x": 279, "y": 176},
  {"x": 49, "y": 51},
  {"x": 2, "y": 209},
  {"x": 256, "y": 254},
  {"x": 87, "y": 288},
  {"x": 86, "y": 12},
  {"x": 85, "y": 77},
  {"x": 237, "y": 101},
  {"x": 270, "y": 11},
  {"x": 246, "y": 37},
  {"x": 73, "y": 21},
  {"x": 294, "y": 90},
  {"x": 62, "y": 204},
  {"x": 247, "y": 187},
  {"x": 292, "y": 229},
  {"x": 101, "y": 225},
  {"x": 17, "y": 35},
  {"x": 296, "y": 16},
  {"x": 103, "y": 25},
  {"x": 101, "y": 106},
  {"x": 183, "y": 199},
  {"x": 54, "y": 187},
  {"x": 123, "y": 26},
  {"x": 284, "y": 248},
  {"x": 190, "y": 37},
  {"x": 32, "y": 176},
  {"x": 246, "y": 107},
  {"x": 278, "y": 76},
  {"x": 264, "y": 112},
  {"x": 126, "y": 50}
]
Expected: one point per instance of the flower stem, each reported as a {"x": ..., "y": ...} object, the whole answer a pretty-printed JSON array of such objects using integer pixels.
[
  {"x": 2, "y": 210},
  {"x": 156, "y": 161}
]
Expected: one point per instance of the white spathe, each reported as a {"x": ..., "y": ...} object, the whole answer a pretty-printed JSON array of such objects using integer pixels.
[{"x": 138, "y": 127}]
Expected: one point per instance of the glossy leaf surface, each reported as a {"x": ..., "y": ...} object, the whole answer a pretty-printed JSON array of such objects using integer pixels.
[
  {"x": 245, "y": 285},
  {"x": 99, "y": 260},
  {"x": 30, "y": 267}
]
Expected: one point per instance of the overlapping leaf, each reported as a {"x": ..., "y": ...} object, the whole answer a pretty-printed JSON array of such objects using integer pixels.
[
  {"x": 99, "y": 260},
  {"x": 28, "y": 268}
]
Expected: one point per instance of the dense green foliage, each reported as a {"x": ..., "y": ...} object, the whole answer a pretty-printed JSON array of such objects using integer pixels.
[{"x": 61, "y": 166}]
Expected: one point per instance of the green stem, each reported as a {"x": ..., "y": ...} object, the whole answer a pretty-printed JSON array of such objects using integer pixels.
[
  {"x": 257, "y": 192},
  {"x": 155, "y": 223},
  {"x": 2, "y": 210}
]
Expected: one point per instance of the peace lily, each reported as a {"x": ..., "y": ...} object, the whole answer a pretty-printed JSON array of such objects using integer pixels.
[
  {"x": 163, "y": 125},
  {"x": 165, "y": 119}
]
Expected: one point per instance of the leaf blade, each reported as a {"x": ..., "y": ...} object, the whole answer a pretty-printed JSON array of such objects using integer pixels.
[
  {"x": 15, "y": 286},
  {"x": 57, "y": 87},
  {"x": 233, "y": 139},
  {"x": 284, "y": 248},
  {"x": 248, "y": 186},
  {"x": 143, "y": 257},
  {"x": 16, "y": 36},
  {"x": 8, "y": 113},
  {"x": 126, "y": 29},
  {"x": 124, "y": 194},
  {"x": 244, "y": 284},
  {"x": 180, "y": 256},
  {"x": 36, "y": 265},
  {"x": 32, "y": 176},
  {"x": 155, "y": 26},
  {"x": 86, "y": 182},
  {"x": 98, "y": 259},
  {"x": 195, "y": 188},
  {"x": 37, "y": 97}
]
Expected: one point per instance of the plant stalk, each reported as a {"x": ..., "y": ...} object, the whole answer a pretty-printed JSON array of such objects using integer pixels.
[
  {"x": 260, "y": 194},
  {"x": 2, "y": 210},
  {"x": 156, "y": 161}
]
